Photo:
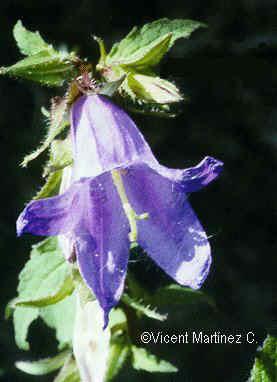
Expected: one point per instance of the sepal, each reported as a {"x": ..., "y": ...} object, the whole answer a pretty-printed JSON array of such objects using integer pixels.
[{"x": 58, "y": 121}]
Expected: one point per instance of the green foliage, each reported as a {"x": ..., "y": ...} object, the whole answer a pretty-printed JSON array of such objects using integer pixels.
[
  {"x": 118, "y": 354},
  {"x": 58, "y": 316},
  {"x": 43, "y": 366},
  {"x": 60, "y": 156},
  {"x": 43, "y": 63},
  {"x": 120, "y": 345},
  {"x": 142, "y": 359},
  {"x": 140, "y": 306},
  {"x": 143, "y": 48},
  {"x": 57, "y": 123},
  {"x": 51, "y": 186},
  {"x": 29, "y": 43},
  {"x": 61, "y": 317},
  {"x": 46, "y": 277},
  {"x": 46, "y": 67},
  {"x": 69, "y": 372},
  {"x": 265, "y": 366},
  {"x": 44, "y": 284},
  {"x": 136, "y": 56},
  {"x": 175, "y": 294},
  {"x": 22, "y": 319}
]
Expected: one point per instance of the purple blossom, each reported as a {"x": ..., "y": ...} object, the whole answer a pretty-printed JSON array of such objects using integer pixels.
[{"x": 107, "y": 142}]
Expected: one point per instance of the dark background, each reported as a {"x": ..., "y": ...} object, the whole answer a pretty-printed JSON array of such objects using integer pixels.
[{"x": 229, "y": 71}]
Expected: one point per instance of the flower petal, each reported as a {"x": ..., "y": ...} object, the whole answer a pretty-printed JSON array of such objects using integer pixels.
[
  {"x": 104, "y": 137},
  {"x": 101, "y": 242},
  {"x": 193, "y": 178},
  {"x": 51, "y": 216},
  {"x": 172, "y": 235}
]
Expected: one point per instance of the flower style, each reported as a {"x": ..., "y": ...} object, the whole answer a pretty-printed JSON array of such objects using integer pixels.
[{"x": 120, "y": 193}]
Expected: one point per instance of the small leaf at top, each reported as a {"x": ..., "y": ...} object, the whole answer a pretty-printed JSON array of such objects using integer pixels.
[
  {"x": 46, "y": 67},
  {"x": 152, "y": 40},
  {"x": 29, "y": 42}
]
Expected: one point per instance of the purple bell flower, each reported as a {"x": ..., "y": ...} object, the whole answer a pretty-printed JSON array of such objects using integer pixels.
[{"x": 115, "y": 179}]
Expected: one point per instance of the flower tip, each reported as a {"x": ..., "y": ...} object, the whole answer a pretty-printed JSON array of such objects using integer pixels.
[
  {"x": 106, "y": 318},
  {"x": 20, "y": 225}
]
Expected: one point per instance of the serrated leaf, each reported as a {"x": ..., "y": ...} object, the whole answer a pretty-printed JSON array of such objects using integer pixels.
[
  {"x": 51, "y": 187},
  {"x": 142, "y": 359},
  {"x": 57, "y": 124},
  {"x": 177, "y": 295},
  {"x": 22, "y": 319},
  {"x": 29, "y": 42},
  {"x": 140, "y": 307},
  {"x": 46, "y": 278},
  {"x": 43, "y": 366},
  {"x": 46, "y": 67},
  {"x": 153, "y": 39},
  {"x": 61, "y": 317},
  {"x": 265, "y": 366},
  {"x": 69, "y": 372}
]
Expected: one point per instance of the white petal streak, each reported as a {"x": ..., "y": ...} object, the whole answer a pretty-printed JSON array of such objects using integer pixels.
[{"x": 187, "y": 271}]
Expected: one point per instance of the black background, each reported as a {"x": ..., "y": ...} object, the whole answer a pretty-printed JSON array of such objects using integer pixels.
[{"x": 229, "y": 71}]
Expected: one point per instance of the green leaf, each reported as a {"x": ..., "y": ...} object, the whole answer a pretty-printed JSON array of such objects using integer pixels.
[
  {"x": 142, "y": 359},
  {"x": 22, "y": 319},
  {"x": 109, "y": 88},
  {"x": 51, "y": 187},
  {"x": 120, "y": 349},
  {"x": 60, "y": 155},
  {"x": 46, "y": 277},
  {"x": 118, "y": 355},
  {"x": 58, "y": 122},
  {"x": 47, "y": 67},
  {"x": 146, "y": 46},
  {"x": 29, "y": 42},
  {"x": 61, "y": 317},
  {"x": 69, "y": 372},
  {"x": 140, "y": 307},
  {"x": 58, "y": 316},
  {"x": 265, "y": 366},
  {"x": 43, "y": 366},
  {"x": 177, "y": 295}
]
